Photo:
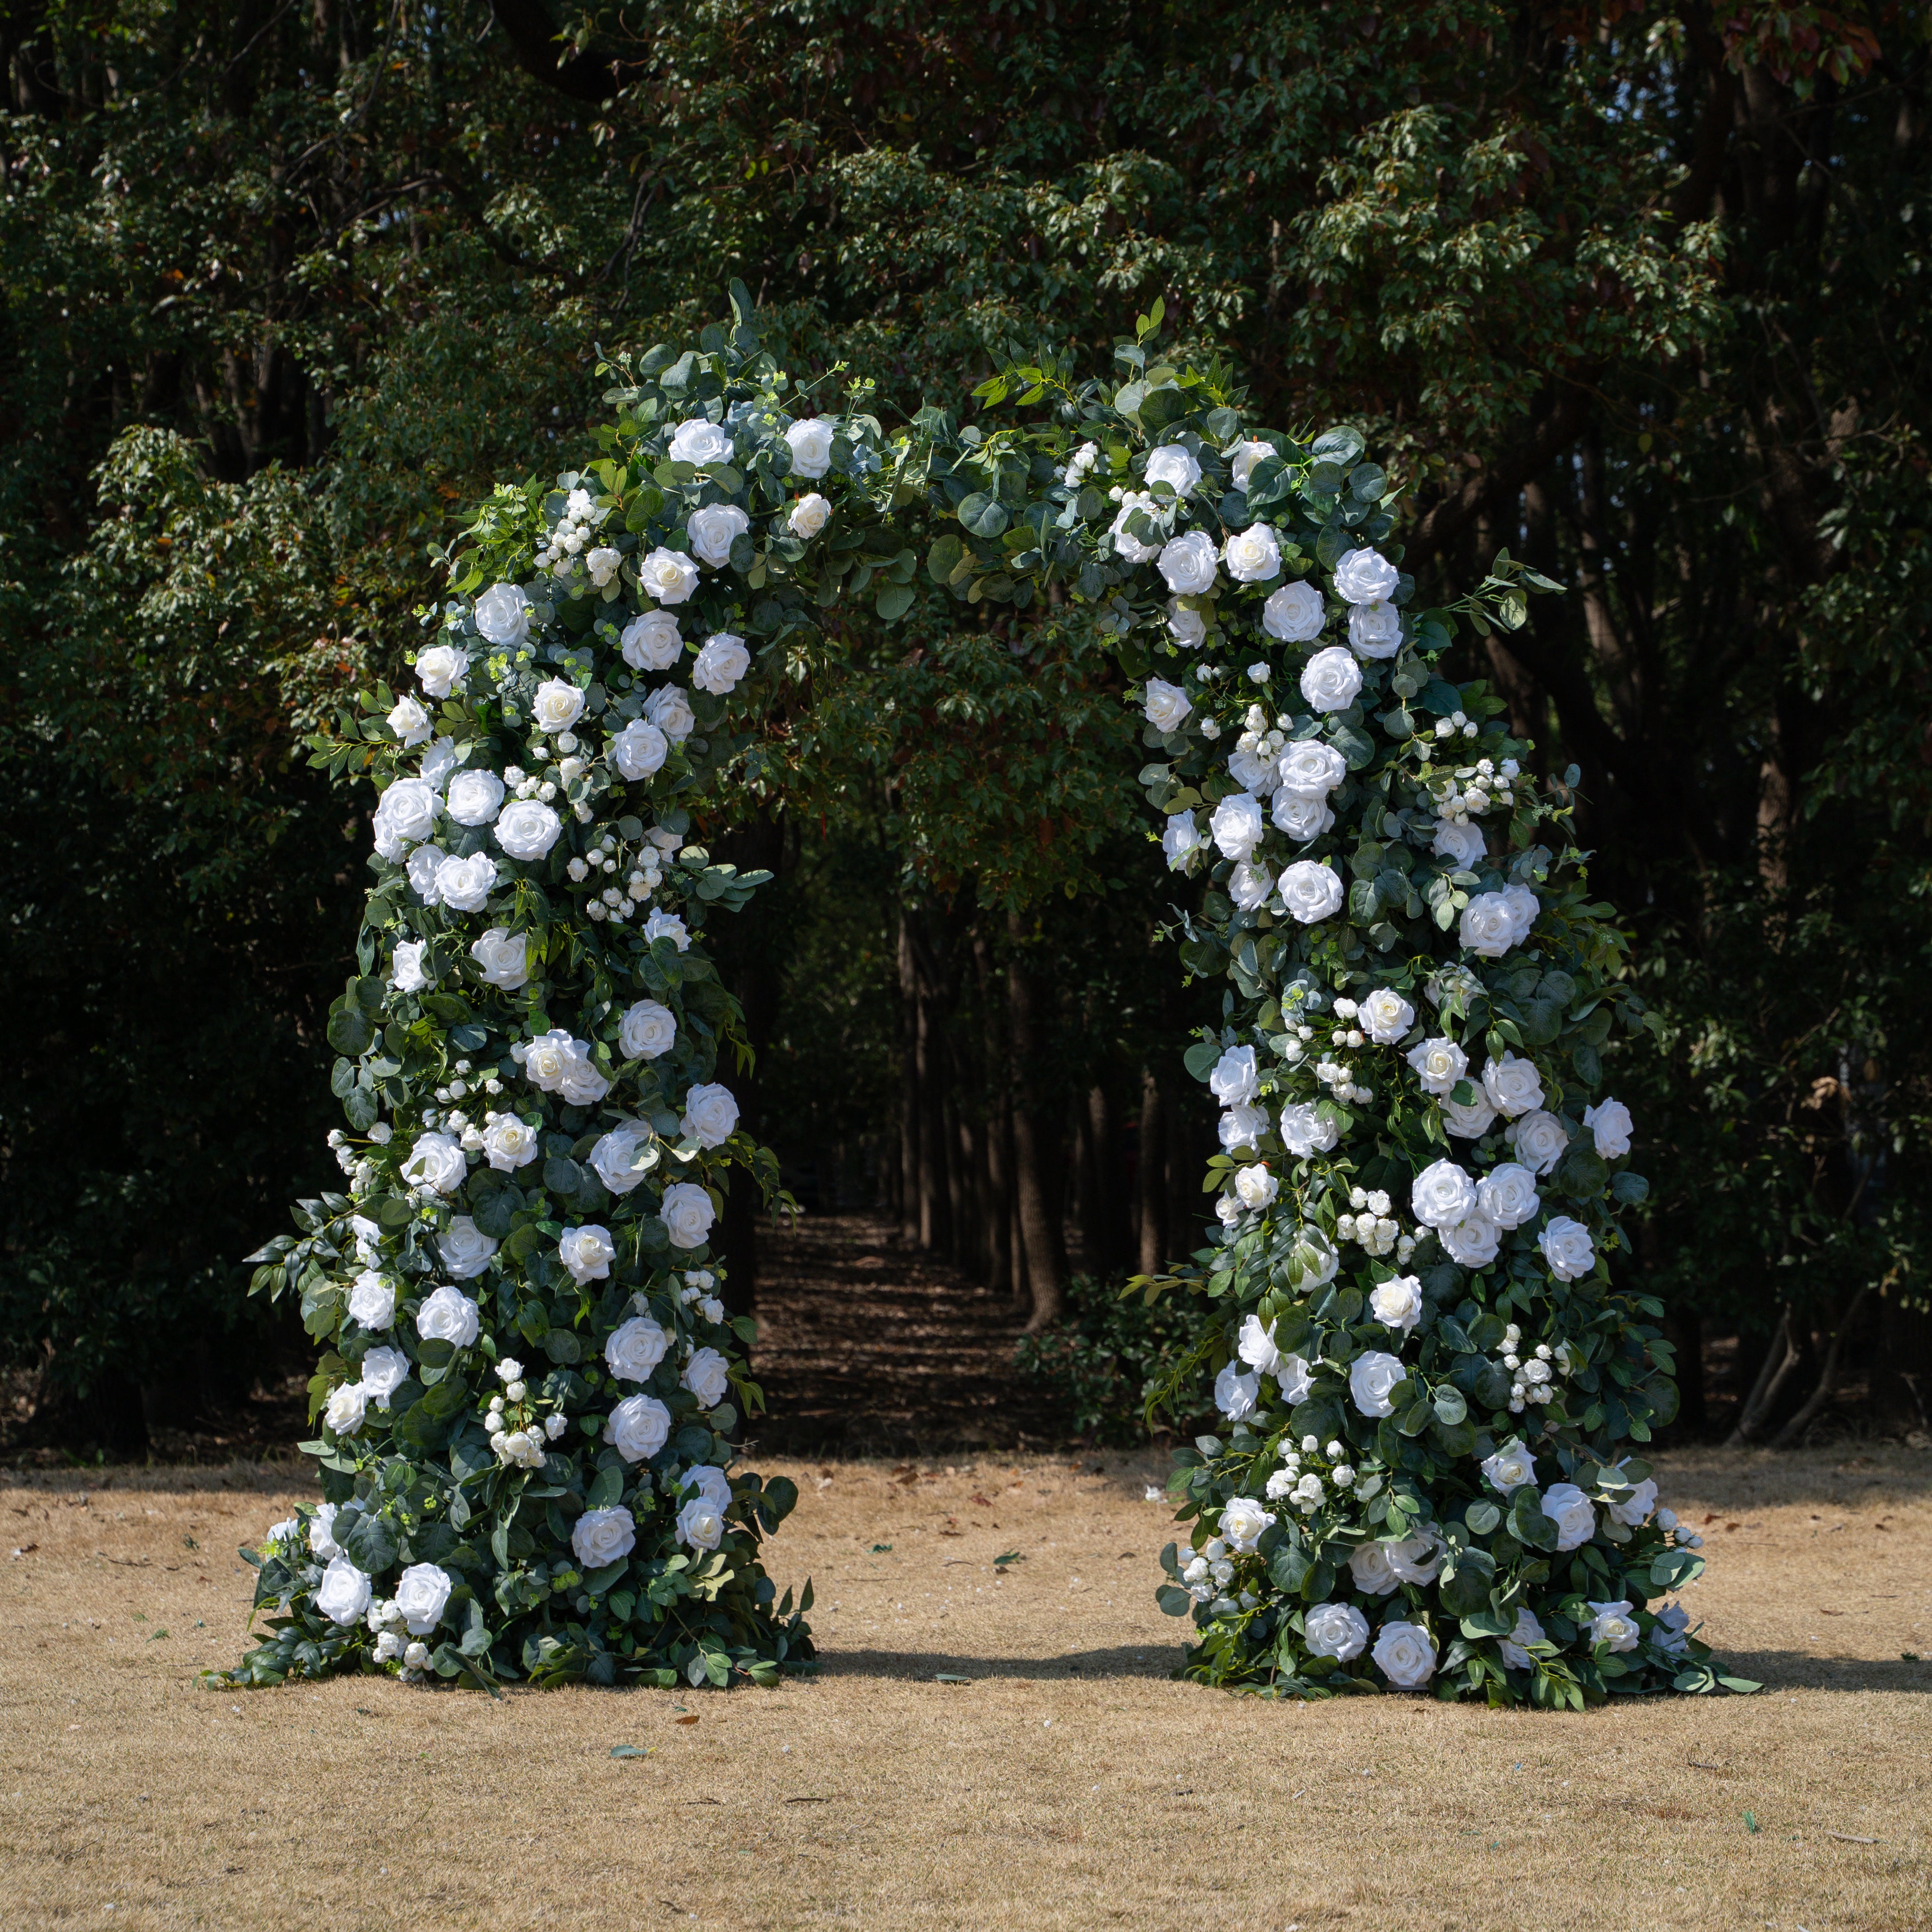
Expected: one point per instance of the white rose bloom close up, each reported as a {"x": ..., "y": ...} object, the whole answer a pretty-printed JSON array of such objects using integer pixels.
[
  {"x": 1242, "y": 1522},
  {"x": 1311, "y": 769},
  {"x": 1374, "y": 630},
  {"x": 372, "y": 1300},
  {"x": 1125, "y": 544},
  {"x": 1405, "y": 1653},
  {"x": 1364, "y": 577},
  {"x": 1241, "y": 461},
  {"x": 587, "y": 1252},
  {"x": 701, "y": 1524},
  {"x": 449, "y": 1315},
  {"x": 1471, "y": 1242},
  {"x": 1235, "y": 1077},
  {"x": 1236, "y": 825},
  {"x": 1643, "y": 1499},
  {"x": 687, "y": 1213},
  {"x": 1610, "y": 1126},
  {"x": 710, "y": 1115},
  {"x": 1181, "y": 842},
  {"x": 651, "y": 641},
  {"x": 409, "y": 722},
  {"x": 1568, "y": 1248},
  {"x": 1254, "y": 555},
  {"x": 638, "y": 1428},
  {"x": 1296, "y": 1374},
  {"x": 1371, "y": 1377},
  {"x": 647, "y": 1030},
  {"x": 635, "y": 1348},
  {"x": 1255, "y": 1346},
  {"x": 624, "y": 1156},
  {"x": 527, "y": 828},
  {"x": 406, "y": 967},
  {"x": 1188, "y": 628},
  {"x": 321, "y": 1541},
  {"x": 808, "y": 516},
  {"x": 343, "y": 1594},
  {"x": 669, "y": 710},
  {"x": 421, "y": 1590},
  {"x": 1439, "y": 1064},
  {"x": 1305, "y": 1130},
  {"x": 422, "y": 866},
  {"x": 1250, "y": 886},
  {"x": 464, "y": 1248},
  {"x": 1417, "y": 1559},
  {"x": 435, "y": 1161},
  {"x": 1463, "y": 844},
  {"x": 347, "y": 1405},
  {"x": 1338, "y": 1631},
  {"x": 1612, "y": 1625},
  {"x": 639, "y": 749},
  {"x": 1386, "y": 1016},
  {"x": 464, "y": 885},
  {"x": 1311, "y": 891},
  {"x": 1470, "y": 1122},
  {"x": 1540, "y": 1141},
  {"x": 557, "y": 705},
  {"x": 1369, "y": 1564},
  {"x": 667, "y": 925},
  {"x": 707, "y": 1376},
  {"x": 1489, "y": 926},
  {"x": 1187, "y": 563},
  {"x": 1173, "y": 464},
  {"x": 503, "y": 615},
  {"x": 1236, "y": 1394},
  {"x": 1527, "y": 1631},
  {"x": 1397, "y": 1303},
  {"x": 668, "y": 575},
  {"x": 713, "y": 529},
  {"x": 1166, "y": 705},
  {"x": 1442, "y": 1195},
  {"x": 1256, "y": 1188},
  {"x": 440, "y": 669},
  {"x": 406, "y": 814},
  {"x": 475, "y": 797},
  {"x": 1294, "y": 613},
  {"x": 811, "y": 445},
  {"x": 1331, "y": 680},
  {"x": 509, "y": 1143},
  {"x": 703, "y": 445},
  {"x": 1301, "y": 817},
  {"x": 1510, "y": 1468},
  {"x": 1567, "y": 1507},
  {"x": 1512, "y": 1084},
  {"x": 601, "y": 1537},
  {"x": 722, "y": 662}
]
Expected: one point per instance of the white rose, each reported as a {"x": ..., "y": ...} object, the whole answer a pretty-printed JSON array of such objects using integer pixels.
[
  {"x": 465, "y": 1248},
  {"x": 1254, "y": 1187},
  {"x": 1404, "y": 1652},
  {"x": 440, "y": 669},
  {"x": 1527, "y": 1631},
  {"x": 1463, "y": 843},
  {"x": 1188, "y": 628},
  {"x": 1250, "y": 886},
  {"x": 1364, "y": 577},
  {"x": 502, "y": 958},
  {"x": 707, "y": 1377},
  {"x": 421, "y": 1590},
  {"x": 652, "y": 642},
  {"x": 669, "y": 710},
  {"x": 422, "y": 866},
  {"x": 1338, "y": 1631},
  {"x": 372, "y": 1300},
  {"x": 1567, "y": 1507},
  {"x": 1471, "y": 1242},
  {"x": 1296, "y": 1377},
  {"x": 1236, "y": 825},
  {"x": 1489, "y": 926},
  {"x": 1235, "y": 1077},
  {"x": 435, "y": 1161},
  {"x": 347, "y": 1406},
  {"x": 1253, "y": 772},
  {"x": 1243, "y": 1520},
  {"x": 1439, "y": 1064},
  {"x": 601, "y": 1537},
  {"x": 1472, "y": 1122},
  {"x": 808, "y": 516},
  {"x": 343, "y": 1594},
  {"x": 1331, "y": 680},
  {"x": 1372, "y": 1376},
  {"x": 1512, "y": 1085},
  {"x": 1181, "y": 842},
  {"x": 1507, "y": 1194},
  {"x": 557, "y": 705},
  {"x": 1442, "y": 1195},
  {"x": 449, "y": 1315},
  {"x": 406, "y": 967},
  {"x": 617, "y": 1157},
  {"x": 464, "y": 885},
  {"x": 687, "y": 1213},
  {"x": 1256, "y": 1347},
  {"x": 666, "y": 925},
  {"x": 409, "y": 722},
  {"x": 587, "y": 1252},
  {"x": 438, "y": 762},
  {"x": 638, "y": 1427},
  {"x": 603, "y": 562},
  {"x": 405, "y": 815},
  {"x": 1301, "y": 817},
  {"x": 1567, "y": 1246},
  {"x": 322, "y": 1531},
  {"x": 703, "y": 445},
  {"x": 721, "y": 664},
  {"x": 1318, "y": 1257},
  {"x": 1187, "y": 563},
  {"x": 1242, "y": 459},
  {"x": 1386, "y": 1016},
  {"x": 1397, "y": 1303},
  {"x": 1374, "y": 630},
  {"x": 1125, "y": 544},
  {"x": 669, "y": 575},
  {"x": 647, "y": 1031},
  {"x": 1166, "y": 705},
  {"x": 810, "y": 444},
  {"x": 1312, "y": 770},
  {"x": 1368, "y": 1564},
  {"x": 1294, "y": 613},
  {"x": 635, "y": 1349},
  {"x": 1641, "y": 1500},
  {"x": 700, "y": 1525},
  {"x": 503, "y": 615},
  {"x": 1311, "y": 891},
  {"x": 710, "y": 1114},
  {"x": 1306, "y": 1130},
  {"x": 1254, "y": 556},
  {"x": 1235, "y": 1394},
  {"x": 639, "y": 749},
  {"x": 714, "y": 528},
  {"x": 1417, "y": 1559},
  {"x": 1174, "y": 464},
  {"x": 1540, "y": 1141},
  {"x": 1510, "y": 1468},
  {"x": 1668, "y": 1633},
  {"x": 527, "y": 829},
  {"x": 475, "y": 797},
  {"x": 509, "y": 1143},
  {"x": 1608, "y": 1121}
]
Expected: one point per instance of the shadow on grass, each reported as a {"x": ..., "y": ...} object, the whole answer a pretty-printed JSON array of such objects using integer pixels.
[
  {"x": 1795, "y": 1670},
  {"x": 1148, "y": 1660}
]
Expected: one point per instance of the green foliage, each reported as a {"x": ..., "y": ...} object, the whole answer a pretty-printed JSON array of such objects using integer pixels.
[{"x": 1106, "y": 1358}]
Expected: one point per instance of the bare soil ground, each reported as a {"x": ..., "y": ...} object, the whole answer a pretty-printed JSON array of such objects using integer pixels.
[{"x": 1069, "y": 1783}]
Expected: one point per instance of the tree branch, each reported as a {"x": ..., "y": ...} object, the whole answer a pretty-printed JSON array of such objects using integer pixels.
[{"x": 532, "y": 35}]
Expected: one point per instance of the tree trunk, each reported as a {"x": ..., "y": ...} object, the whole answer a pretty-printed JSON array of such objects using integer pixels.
[
  {"x": 1150, "y": 1176},
  {"x": 909, "y": 1097},
  {"x": 1185, "y": 1199},
  {"x": 1102, "y": 1231},
  {"x": 1780, "y": 1358},
  {"x": 1033, "y": 1156}
]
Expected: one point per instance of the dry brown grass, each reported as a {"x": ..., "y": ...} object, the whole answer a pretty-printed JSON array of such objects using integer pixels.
[{"x": 1070, "y": 1784}]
